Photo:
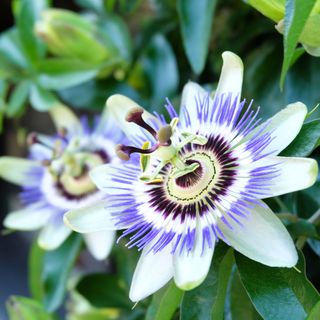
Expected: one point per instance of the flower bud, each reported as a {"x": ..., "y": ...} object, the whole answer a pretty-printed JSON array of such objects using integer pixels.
[{"x": 67, "y": 34}]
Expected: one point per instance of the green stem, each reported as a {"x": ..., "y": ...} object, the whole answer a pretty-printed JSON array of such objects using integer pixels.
[
  {"x": 315, "y": 220},
  {"x": 281, "y": 204},
  {"x": 288, "y": 216},
  {"x": 301, "y": 242}
]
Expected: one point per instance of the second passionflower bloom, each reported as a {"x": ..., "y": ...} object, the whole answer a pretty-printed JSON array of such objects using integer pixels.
[
  {"x": 56, "y": 179},
  {"x": 198, "y": 179}
]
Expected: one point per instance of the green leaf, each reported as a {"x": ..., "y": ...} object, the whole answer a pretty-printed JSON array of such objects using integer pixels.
[
  {"x": 164, "y": 303},
  {"x": 28, "y": 13},
  {"x": 4, "y": 87},
  {"x": 11, "y": 49},
  {"x": 21, "y": 308},
  {"x": 195, "y": 24},
  {"x": 296, "y": 16},
  {"x": 303, "y": 228},
  {"x": 315, "y": 312},
  {"x": 35, "y": 270},
  {"x": 104, "y": 291},
  {"x": 307, "y": 140},
  {"x": 278, "y": 293},
  {"x": 239, "y": 305},
  {"x": 65, "y": 79},
  {"x": 314, "y": 245},
  {"x": 18, "y": 99},
  {"x": 56, "y": 269},
  {"x": 93, "y": 94},
  {"x": 207, "y": 301},
  {"x": 126, "y": 261},
  {"x": 262, "y": 73},
  {"x": 61, "y": 73},
  {"x": 96, "y": 5},
  {"x": 42, "y": 99},
  {"x": 116, "y": 32},
  {"x": 160, "y": 67}
]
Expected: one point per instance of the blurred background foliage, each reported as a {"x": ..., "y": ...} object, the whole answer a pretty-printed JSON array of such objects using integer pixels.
[{"x": 80, "y": 52}]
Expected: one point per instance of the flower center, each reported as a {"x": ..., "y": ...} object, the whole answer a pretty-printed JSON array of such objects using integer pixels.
[
  {"x": 194, "y": 185},
  {"x": 70, "y": 164},
  {"x": 72, "y": 174}
]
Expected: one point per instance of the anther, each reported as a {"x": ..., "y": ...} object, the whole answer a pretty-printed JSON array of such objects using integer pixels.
[
  {"x": 46, "y": 163},
  {"x": 62, "y": 132},
  {"x": 164, "y": 134},
  {"x": 121, "y": 153},
  {"x": 135, "y": 115},
  {"x": 32, "y": 138}
]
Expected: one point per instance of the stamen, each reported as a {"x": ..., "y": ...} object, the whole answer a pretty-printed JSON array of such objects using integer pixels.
[
  {"x": 33, "y": 138},
  {"x": 124, "y": 152},
  {"x": 135, "y": 115},
  {"x": 46, "y": 163},
  {"x": 164, "y": 134},
  {"x": 62, "y": 132}
]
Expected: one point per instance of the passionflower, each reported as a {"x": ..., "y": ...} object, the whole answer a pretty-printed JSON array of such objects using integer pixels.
[
  {"x": 198, "y": 179},
  {"x": 56, "y": 179}
]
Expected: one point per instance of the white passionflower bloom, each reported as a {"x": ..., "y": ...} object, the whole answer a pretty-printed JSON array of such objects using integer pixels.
[
  {"x": 199, "y": 179},
  {"x": 55, "y": 178}
]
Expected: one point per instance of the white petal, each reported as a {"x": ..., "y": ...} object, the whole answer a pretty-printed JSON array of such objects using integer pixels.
[
  {"x": 100, "y": 175},
  {"x": 102, "y": 178},
  {"x": 53, "y": 235},
  {"x": 100, "y": 243},
  {"x": 231, "y": 75},
  {"x": 294, "y": 174},
  {"x": 64, "y": 118},
  {"x": 191, "y": 95},
  {"x": 107, "y": 126},
  {"x": 190, "y": 269},
  {"x": 16, "y": 170},
  {"x": 263, "y": 238},
  {"x": 90, "y": 219},
  {"x": 285, "y": 125},
  {"x": 152, "y": 272},
  {"x": 30, "y": 218},
  {"x": 119, "y": 106}
]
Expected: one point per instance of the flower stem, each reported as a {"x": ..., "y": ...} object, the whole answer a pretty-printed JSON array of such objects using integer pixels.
[
  {"x": 288, "y": 216},
  {"x": 281, "y": 204},
  {"x": 315, "y": 220}
]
